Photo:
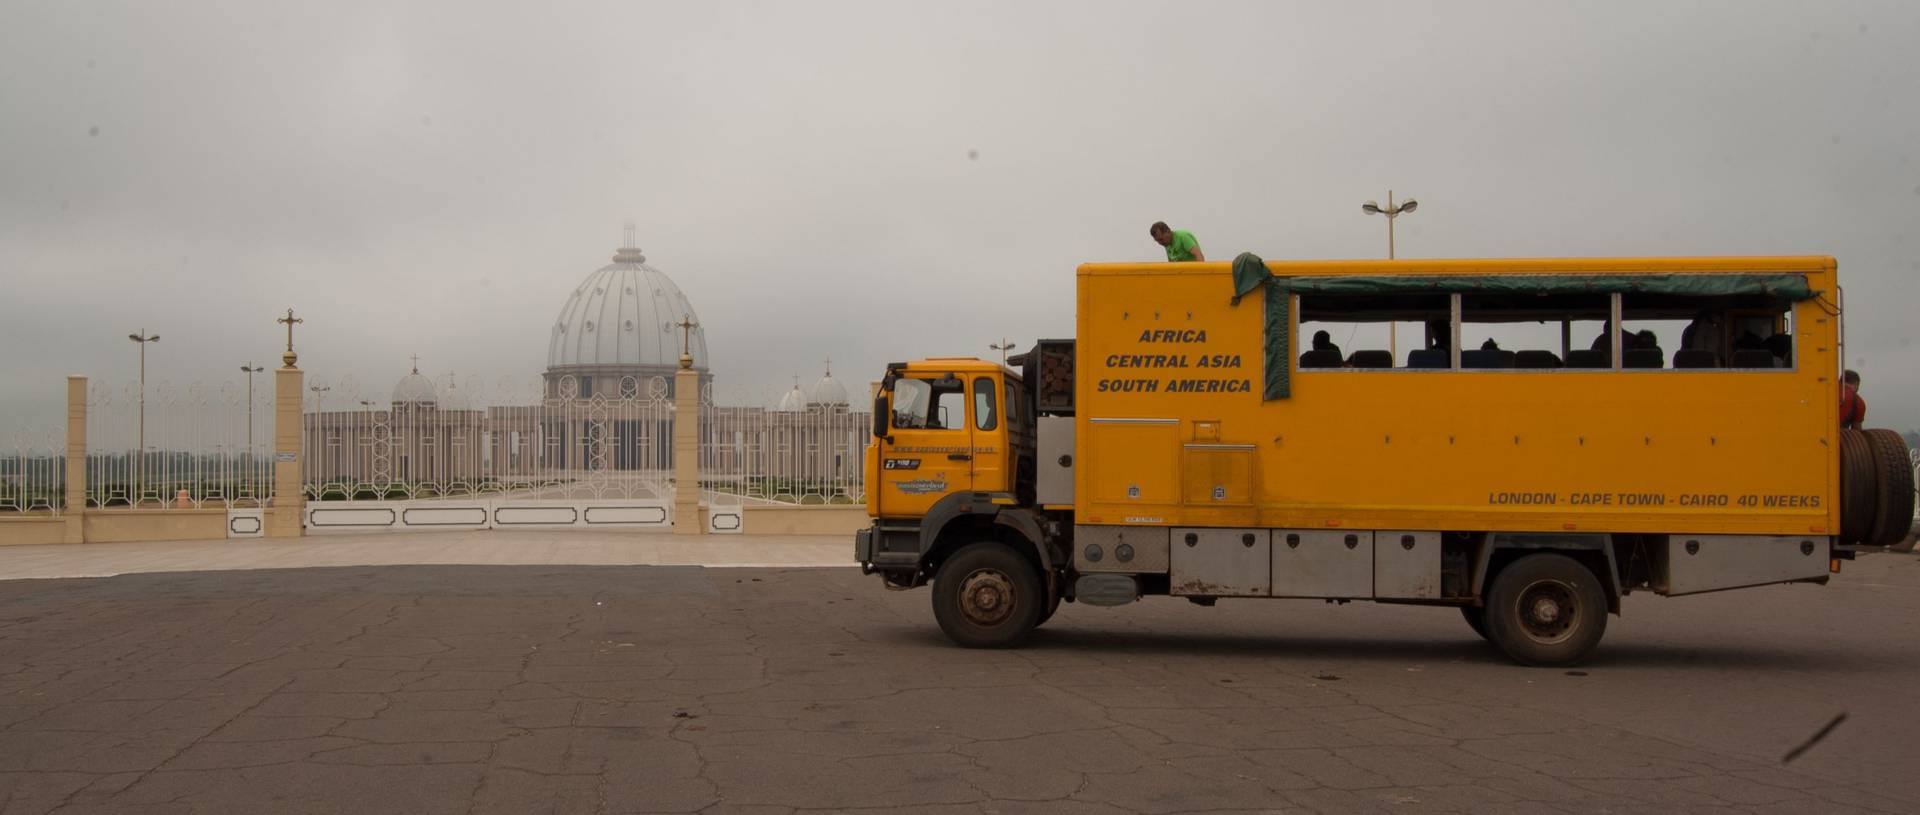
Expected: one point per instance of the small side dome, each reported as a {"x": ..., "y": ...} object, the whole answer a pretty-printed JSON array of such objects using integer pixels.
[
  {"x": 795, "y": 401},
  {"x": 452, "y": 398},
  {"x": 414, "y": 389}
]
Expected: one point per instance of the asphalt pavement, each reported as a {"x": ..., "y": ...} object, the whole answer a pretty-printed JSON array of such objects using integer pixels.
[{"x": 518, "y": 689}]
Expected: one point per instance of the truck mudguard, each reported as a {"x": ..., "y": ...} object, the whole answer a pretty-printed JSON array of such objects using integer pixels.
[
  {"x": 1570, "y": 542},
  {"x": 981, "y": 505}
]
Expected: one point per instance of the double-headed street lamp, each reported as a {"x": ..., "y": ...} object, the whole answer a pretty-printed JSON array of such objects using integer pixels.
[
  {"x": 140, "y": 470},
  {"x": 1003, "y": 346},
  {"x": 1392, "y": 212}
]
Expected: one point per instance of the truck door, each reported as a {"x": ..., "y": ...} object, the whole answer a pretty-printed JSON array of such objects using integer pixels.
[
  {"x": 989, "y": 434},
  {"x": 931, "y": 451}
]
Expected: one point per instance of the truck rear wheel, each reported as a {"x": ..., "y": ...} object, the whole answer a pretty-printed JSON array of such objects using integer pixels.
[
  {"x": 1893, "y": 466},
  {"x": 1547, "y": 610},
  {"x": 988, "y": 596}
]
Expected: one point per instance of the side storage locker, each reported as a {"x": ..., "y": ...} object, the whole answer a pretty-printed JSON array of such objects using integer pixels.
[
  {"x": 1221, "y": 563},
  {"x": 1406, "y": 565},
  {"x": 1322, "y": 563}
]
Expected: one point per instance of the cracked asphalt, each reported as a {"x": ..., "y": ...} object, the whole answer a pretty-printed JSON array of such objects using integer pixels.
[{"x": 528, "y": 689}]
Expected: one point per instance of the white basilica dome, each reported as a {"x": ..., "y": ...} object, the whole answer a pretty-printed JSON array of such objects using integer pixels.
[{"x": 625, "y": 314}]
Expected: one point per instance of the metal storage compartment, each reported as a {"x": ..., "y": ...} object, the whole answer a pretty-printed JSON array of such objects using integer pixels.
[
  {"x": 1406, "y": 565},
  {"x": 1322, "y": 563},
  {"x": 1697, "y": 563},
  {"x": 1054, "y": 476},
  {"x": 1221, "y": 562}
]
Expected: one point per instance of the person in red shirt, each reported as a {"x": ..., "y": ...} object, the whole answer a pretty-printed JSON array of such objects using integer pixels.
[{"x": 1853, "y": 409}]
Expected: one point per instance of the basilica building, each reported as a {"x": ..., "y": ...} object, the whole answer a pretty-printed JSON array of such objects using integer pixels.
[{"x": 605, "y": 409}]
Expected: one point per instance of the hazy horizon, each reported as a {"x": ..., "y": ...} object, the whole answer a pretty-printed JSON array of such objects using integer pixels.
[{"x": 876, "y": 181}]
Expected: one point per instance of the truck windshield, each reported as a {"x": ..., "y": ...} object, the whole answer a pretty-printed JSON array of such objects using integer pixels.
[{"x": 921, "y": 403}]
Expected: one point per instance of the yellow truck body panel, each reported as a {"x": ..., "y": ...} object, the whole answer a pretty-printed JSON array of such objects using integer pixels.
[{"x": 1173, "y": 431}]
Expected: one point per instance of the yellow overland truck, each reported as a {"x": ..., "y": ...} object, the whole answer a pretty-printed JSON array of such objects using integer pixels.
[{"x": 1667, "y": 425}]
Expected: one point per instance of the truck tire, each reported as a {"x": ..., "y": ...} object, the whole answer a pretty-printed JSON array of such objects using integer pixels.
[
  {"x": 1476, "y": 620},
  {"x": 1893, "y": 469},
  {"x": 1859, "y": 490},
  {"x": 988, "y": 596},
  {"x": 1546, "y": 610}
]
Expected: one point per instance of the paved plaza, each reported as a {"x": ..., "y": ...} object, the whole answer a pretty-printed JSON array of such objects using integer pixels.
[{"x": 549, "y": 687}]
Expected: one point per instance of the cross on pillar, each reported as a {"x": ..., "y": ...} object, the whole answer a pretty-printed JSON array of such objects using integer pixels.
[
  {"x": 289, "y": 357},
  {"x": 686, "y": 325}
]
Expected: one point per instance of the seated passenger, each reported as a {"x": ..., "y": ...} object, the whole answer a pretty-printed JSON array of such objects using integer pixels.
[
  {"x": 1782, "y": 347},
  {"x": 1440, "y": 334},
  {"x": 1703, "y": 334},
  {"x": 1322, "y": 341},
  {"x": 1489, "y": 345}
]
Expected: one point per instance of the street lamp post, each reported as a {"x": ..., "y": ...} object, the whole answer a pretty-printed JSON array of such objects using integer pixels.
[
  {"x": 250, "y": 369},
  {"x": 1003, "y": 346},
  {"x": 140, "y": 470},
  {"x": 1392, "y": 212}
]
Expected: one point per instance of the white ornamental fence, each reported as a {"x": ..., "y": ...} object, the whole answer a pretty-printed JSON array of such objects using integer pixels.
[
  {"x": 33, "y": 470},
  {"x": 159, "y": 445}
]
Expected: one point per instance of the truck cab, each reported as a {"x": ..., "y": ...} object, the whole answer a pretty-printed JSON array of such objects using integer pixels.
[{"x": 951, "y": 463}]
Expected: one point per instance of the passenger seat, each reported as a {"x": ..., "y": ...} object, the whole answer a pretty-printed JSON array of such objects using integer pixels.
[
  {"x": 1370, "y": 359},
  {"x": 1486, "y": 358},
  {"x": 1752, "y": 358},
  {"x": 1643, "y": 358},
  {"x": 1536, "y": 359},
  {"x": 1429, "y": 358},
  {"x": 1588, "y": 358},
  {"x": 1695, "y": 358}
]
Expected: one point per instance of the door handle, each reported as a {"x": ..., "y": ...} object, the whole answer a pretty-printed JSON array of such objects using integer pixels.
[{"x": 959, "y": 456}]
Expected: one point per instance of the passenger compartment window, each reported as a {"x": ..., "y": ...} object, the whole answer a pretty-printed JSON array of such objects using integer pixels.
[
  {"x": 1545, "y": 330},
  {"x": 1526, "y": 331},
  {"x": 1751, "y": 332},
  {"x": 1374, "y": 331}
]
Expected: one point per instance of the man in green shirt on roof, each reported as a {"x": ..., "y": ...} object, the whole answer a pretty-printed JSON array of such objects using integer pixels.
[{"x": 1181, "y": 245}]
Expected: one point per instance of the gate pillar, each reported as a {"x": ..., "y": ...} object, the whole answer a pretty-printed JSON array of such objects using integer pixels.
[
  {"x": 286, "y": 511},
  {"x": 687, "y": 519}
]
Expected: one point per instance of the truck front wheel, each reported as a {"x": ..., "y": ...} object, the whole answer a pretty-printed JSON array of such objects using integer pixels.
[
  {"x": 1546, "y": 610},
  {"x": 988, "y": 596}
]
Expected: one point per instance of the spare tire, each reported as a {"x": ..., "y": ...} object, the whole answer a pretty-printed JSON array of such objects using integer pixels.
[
  {"x": 1893, "y": 469},
  {"x": 1859, "y": 489}
]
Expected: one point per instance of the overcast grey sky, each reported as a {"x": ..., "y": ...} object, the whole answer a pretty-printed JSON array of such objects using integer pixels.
[{"x": 435, "y": 178}]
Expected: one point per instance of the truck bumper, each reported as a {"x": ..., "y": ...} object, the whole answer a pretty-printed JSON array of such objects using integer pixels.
[{"x": 863, "y": 549}]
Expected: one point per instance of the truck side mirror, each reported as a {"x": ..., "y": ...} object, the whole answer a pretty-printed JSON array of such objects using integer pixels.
[{"x": 880, "y": 412}]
